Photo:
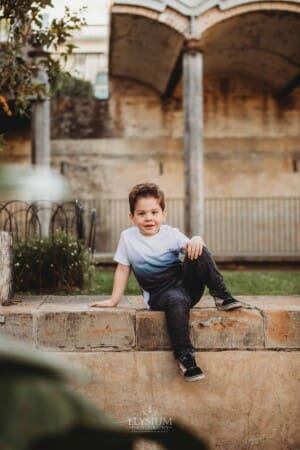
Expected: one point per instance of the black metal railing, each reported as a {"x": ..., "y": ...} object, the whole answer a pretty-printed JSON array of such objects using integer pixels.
[
  {"x": 245, "y": 226},
  {"x": 28, "y": 220}
]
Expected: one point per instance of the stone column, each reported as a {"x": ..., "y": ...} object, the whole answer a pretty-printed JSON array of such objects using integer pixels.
[
  {"x": 193, "y": 138},
  {"x": 6, "y": 267},
  {"x": 40, "y": 122},
  {"x": 40, "y": 129}
]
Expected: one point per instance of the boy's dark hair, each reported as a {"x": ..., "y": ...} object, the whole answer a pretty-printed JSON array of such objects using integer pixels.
[{"x": 145, "y": 190}]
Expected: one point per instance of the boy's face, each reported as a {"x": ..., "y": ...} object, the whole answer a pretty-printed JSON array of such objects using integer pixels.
[{"x": 148, "y": 215}]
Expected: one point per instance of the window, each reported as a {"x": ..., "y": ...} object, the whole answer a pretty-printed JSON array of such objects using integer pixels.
[{"x": 101, "y": 86}]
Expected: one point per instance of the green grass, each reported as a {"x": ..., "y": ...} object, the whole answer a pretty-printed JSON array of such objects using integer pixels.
[{"x": 238, "y": 282}]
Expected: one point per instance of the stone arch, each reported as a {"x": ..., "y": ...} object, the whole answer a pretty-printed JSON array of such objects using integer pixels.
[
  {"x": 137, "y": 36},
  {"x": 177, "y": 13},
  {"x": 216, "y": 15},
  {"x": 154, "y": 33},
  {"x": 170, "y": 17},
  {"x": 259, "y": 43}
]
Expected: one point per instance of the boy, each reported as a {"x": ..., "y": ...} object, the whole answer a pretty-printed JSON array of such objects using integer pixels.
[{"x": 153, "y": 251}]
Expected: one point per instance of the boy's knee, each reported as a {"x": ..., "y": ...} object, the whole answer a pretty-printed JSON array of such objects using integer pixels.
[
  {"x": 205, "y": 255},
  {"x": 179, "y": 301}
]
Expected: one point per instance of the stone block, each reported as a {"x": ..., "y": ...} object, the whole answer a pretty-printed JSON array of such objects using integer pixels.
[
  {"x": 18, "y": 325},
  {"x": 242, "y": 329},
  {"x": 17, "y": 319},
  {"x": 210, "y": 329},
  {"x": 86, "y": 330},
  {"x": 282, "y": 329},
  {"x": 151, "y": 331}
]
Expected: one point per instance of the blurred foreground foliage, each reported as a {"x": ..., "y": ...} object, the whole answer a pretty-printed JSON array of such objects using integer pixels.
[{"x": 42, "y": 411}]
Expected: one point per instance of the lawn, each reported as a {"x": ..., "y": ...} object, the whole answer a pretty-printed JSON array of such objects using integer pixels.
[{"x": 239, "y": 283}]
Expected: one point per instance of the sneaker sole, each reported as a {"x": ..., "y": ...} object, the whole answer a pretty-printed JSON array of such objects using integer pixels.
[
  {"x": 229, "y": 307},
  {"x": 195, "y": 378}
]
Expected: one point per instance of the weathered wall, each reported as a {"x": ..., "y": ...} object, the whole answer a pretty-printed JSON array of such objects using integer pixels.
[
  {"x": 251, "y": 143},
  {"x": 249, "y": 398}
]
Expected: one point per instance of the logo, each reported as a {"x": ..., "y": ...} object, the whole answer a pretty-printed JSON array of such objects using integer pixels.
[{"x": 149, "y": 420}]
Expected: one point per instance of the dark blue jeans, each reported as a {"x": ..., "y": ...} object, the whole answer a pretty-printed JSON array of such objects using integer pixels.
[{"x": 177, "y": 300}]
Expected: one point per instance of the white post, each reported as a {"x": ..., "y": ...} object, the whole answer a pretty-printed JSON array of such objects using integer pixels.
[
  {"x": 41, "y": 140},
  {"x": 193, "y": 138},
  {"x": 41, "y": 125},
  {"x": 6, "y": 267}
]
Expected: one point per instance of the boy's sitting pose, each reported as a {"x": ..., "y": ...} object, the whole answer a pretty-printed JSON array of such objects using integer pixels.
[{"x": 153, "y": 251}]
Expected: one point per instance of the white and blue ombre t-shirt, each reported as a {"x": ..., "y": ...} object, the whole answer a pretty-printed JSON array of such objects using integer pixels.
[{"x": 154, "y": 259}]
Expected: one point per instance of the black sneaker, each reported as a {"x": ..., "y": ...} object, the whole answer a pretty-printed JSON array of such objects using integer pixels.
[
  {"x": 188, "y": 366},
  {"x": 227, "y": 305}
]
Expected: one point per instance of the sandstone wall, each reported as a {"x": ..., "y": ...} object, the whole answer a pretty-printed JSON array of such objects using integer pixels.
[
  {"x": 251, "y": 143},
  {"x": 248, "y": 400}
]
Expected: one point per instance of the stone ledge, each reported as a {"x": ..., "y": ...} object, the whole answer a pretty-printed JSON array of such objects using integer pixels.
[
  {"x": 210, "y": 329},
  {"x": 68, "y": 323}
]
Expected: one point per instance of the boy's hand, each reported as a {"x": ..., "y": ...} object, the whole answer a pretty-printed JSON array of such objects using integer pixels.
[
  {"x": 194, "y": 247},
  {"x": 104, "y": 304}
]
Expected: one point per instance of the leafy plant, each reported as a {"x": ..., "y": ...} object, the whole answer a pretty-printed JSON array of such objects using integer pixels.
[
  {"x": 23, "y": 24},
  {"x": 54, "y": 263},
  {"x": 68, "y": 86}
]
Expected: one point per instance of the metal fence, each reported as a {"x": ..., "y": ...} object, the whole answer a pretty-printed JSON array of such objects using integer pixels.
[
  {"x": 44, "y": 218},
  {"x": 266, "y": 227}
]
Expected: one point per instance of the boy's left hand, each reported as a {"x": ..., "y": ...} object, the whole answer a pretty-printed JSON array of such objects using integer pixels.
[{"x": 194, "y": 247}]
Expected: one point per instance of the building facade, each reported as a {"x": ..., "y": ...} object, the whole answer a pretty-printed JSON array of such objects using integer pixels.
[{"x": 204, "y": 99}]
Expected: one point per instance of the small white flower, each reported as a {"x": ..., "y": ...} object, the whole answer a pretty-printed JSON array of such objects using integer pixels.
[{"x": 17, "y": 264}]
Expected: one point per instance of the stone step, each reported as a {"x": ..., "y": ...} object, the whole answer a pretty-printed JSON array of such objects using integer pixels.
[{"x": 68, "y": 323}]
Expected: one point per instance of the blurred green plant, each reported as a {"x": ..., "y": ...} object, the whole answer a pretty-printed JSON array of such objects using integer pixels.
[
  {"x": 42, "y": 411},
  {"x": 68, "y": 87},
  {"x": 55, "y": 263}
]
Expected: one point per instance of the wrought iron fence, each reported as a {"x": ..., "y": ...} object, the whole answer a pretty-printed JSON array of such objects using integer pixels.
[
  {"x": 266, "y": 227},
  {"x": 38, "y": 219}
]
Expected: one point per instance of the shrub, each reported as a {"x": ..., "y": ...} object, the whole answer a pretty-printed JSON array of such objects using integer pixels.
[
  {"x": 55, "y": 263},
  {"x": 69, "y": 86}
]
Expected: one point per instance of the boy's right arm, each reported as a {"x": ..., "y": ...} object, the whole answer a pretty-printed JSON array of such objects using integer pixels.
[{"x": 120, "y": 282}]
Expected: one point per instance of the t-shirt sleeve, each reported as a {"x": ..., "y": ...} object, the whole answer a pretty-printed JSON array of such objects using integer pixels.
[
  {"x": 121, "y": 255},
  {"x": 181, "y": 238}
]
